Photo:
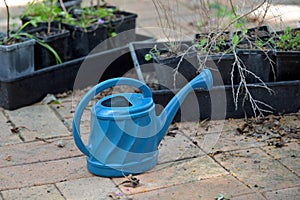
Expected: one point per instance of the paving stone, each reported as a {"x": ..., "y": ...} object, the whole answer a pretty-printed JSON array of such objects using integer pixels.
[
  {"x": 288, "y": 155},
  {"x": 6, "y": 136},
  {"x": 37, "y": 152},
  {"x": 34, "y": 193},
  {"x": 174, "y": 173},
  {"x": 37, "y": 121},
  {"x": 177, "y": 147},
  {"x": 89, "y": 188},
  {"x": 204, "y": 189},
  {"x": 43, "y": 173},
  {"x": 258, "y": 170},
  {"x": 288, "y": 193},
  {"x": 225, "y": 141},
  {"x": 254, "y": 196}
]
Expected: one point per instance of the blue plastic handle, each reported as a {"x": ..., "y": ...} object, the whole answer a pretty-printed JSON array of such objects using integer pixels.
[{"x": 90, "y": 95}]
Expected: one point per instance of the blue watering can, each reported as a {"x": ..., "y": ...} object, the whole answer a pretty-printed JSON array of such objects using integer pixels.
[{"x": 124, "y": 130}]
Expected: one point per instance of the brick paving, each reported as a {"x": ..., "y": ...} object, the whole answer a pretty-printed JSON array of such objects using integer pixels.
[
  {"x": 38, "y": 158},
  {"x": 190, "y": 166}
]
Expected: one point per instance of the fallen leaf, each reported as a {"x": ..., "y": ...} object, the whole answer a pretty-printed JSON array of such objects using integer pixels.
[{"x": 8, "y": 158}]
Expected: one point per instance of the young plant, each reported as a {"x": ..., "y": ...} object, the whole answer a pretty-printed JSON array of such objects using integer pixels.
[
  {"x": 42, "y": 11},
  {"x": 89, "y": 16},
  {"x": 289, "y": 40},
  {"x": 210, "y": 44}
]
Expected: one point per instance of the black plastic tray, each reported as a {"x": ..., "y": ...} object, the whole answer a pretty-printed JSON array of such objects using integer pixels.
[
  {"x": 29, "y": 89},
  {"x": 284, "y": 99}
]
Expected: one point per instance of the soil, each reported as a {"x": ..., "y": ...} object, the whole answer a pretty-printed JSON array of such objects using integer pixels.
[
  {"x": 11, "y": 41},
  {"x": 44, "y": 33}
]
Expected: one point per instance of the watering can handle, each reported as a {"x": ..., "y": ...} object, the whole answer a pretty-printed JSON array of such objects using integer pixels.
[{"x": 90, "y": 95}]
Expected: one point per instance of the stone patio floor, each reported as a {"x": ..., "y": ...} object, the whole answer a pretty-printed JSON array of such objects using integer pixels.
[
  {"x": 201, "y": 160},
  {"x": 197, "y": 160}
]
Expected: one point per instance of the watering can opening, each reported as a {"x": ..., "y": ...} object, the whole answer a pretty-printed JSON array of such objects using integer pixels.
[{"x": 117, "y": 101}]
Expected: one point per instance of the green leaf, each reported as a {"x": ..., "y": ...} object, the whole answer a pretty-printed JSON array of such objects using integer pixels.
[
  {"x": 148, "y": 57},
  {"x": 203, "y": 42},
  {"x": 244, "y": 31},
  {"x": 235, "y": 40}
]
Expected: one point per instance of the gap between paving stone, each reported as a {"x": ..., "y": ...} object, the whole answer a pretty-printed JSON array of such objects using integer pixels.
[
  {"x": 287, "y": 193},
  {"x": 257, "y": 169},
  {"x": 288, "y": 155},
  {"x": 91, "y": 188},
  {"x": 6, "y": 136},
  {"x": 37, "y": 121},
  {"x": 177, "y": 148},
  {"x": 251, "y": 196},
  {"x": 34, "y": 152},
  {"x": 174, "y": 173},
  {"x": 43, "y": 173},
  {"x": 36, "y": 192},
  {"x": 203, "y": 189}
]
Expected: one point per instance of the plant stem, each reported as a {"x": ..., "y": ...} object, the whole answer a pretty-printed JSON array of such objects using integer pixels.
[
  {"x": 63, "y": 6},
  {"x": 98, "y": 4},
  {"x": 50, "y": 17},
  {"x": 240, "y": 17},
  {"x": 7, "y": 22}
]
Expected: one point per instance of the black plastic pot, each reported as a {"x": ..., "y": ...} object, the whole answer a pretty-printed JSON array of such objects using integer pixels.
[
  {"x": 125, "y": 23},
  {"x": 287, "y": 61},
  {"x": 175, "y": 71},
  {"x": 257, "y": 62},
  {"x": 221, "y": 68},
  {"x": 287, "y": 65},
  {"x": 58, "y": 40},
  {"x": 261, "y": 32},
  {"x": 17, "y": 59},
  {"x": 83, "y": 40}
]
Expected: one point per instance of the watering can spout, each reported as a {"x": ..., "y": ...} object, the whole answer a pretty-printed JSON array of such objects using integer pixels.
[{"x": 204, "y": 81}]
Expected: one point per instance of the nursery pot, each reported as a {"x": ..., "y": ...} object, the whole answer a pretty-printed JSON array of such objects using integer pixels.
[
  {"x": 287, "y": 65},
  {"x": 221, "y": 67},
  {"x": 125, "y": 21},
  {"x": 258, "y": 63},
  {"x": 166, "y": 70},
  {"x": 174, "y": 71},
  {"x": 58, "y": 40},
  {"x": 17, "y": 59},
  {"x": 83, "y": 40}
]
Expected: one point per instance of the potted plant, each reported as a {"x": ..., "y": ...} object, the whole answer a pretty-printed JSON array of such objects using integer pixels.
[
  {"x": 255, "y": 53},
  {"x": 215, "y": 53},
  {"x": 174, "y": 63},
  {"x": 86, "y": 32},
  {"x": 287, "y": 44},
  {"x": 44, "y": 15},
  {"x": 40, "y": 13},
  {"x": 55, "y": 38},
  {"x": 89, "y": 26},
  {"x": 16, "y": 53}
]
